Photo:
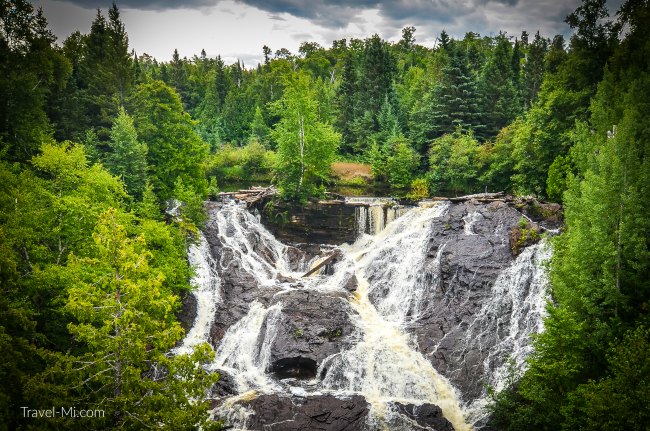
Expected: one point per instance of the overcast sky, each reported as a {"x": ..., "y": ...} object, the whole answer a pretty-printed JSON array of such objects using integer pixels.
[{"x": 239, "y": 28}]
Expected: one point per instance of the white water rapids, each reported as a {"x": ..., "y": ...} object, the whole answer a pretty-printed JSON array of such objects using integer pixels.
[{"x": 384, "y": 365}]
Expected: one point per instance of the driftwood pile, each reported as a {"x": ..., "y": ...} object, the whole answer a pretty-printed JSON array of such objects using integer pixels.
[
  {"x": 480, "y": 197},
  {"x": 252, "y": 195}
]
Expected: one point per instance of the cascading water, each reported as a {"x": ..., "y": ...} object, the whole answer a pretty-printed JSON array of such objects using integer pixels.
[
  {"x": 385, "y": 366},
  {"x": 206, "y": 290},
  {"x": 240, "y": 354},
  {"x": 396, "y": 280},
  {"x": 508, "y": 319},
  {"x": 256, "y": 249},
  {"x": 373, "y": 214}
]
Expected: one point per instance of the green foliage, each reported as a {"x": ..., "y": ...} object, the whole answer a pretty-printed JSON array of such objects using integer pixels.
[
  {"x": 401, "y": 163},
  {"x": 174, "y": 148},
  {"x": 31, "y": 69},
  {"x": 454, "y": 162},
  {"x": 501, "y": 102},
  {"x": 618, "y": 401},
  {"x": 306, "y": 146},
  {"x": 556, "y": 182},
  {"x": 454, "y": 101},
  {"x": 128, "y": 159},
  {"x": 148, "y": 207},
  {"x": 260, "y": 132},
  {"x": 523, "y": 235},
  {"x": 599, "y": 271},
  {"x": 232, "y": 163},
  {"x": 191, "y": 203},
  {"x": 118, "y": 301},
  {"x": 419, "y": 189},
  {"x": 498, "y": 158}
]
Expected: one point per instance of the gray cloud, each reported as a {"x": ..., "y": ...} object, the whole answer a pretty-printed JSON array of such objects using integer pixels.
[
  {"x": 454, "y": 15},
  {"x": 144, "y": 4}
]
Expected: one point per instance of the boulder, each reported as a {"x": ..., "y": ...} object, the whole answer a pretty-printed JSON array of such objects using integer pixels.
[
  {"x": 315, "y": 413},
  {"x": 312, "y": 326},
  {"x": 411, "y": 417}
]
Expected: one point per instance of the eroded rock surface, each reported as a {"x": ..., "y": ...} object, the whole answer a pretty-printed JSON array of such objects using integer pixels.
[
  {"x": 315, "y": 413},
  {"x": 312, "y": 326}
]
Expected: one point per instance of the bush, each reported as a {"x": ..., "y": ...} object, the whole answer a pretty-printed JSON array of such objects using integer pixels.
[
  {"x": 231, "y": 163},
  {"x": 454, "y": 162},
  {"x": 419, "y": 189},
  {"x": 401, "y": 164}
]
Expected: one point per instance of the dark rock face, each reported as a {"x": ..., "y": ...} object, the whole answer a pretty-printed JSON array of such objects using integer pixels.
[
  {"x": 426, "y": 417},
  {"x": 473, "y": 241},
  {"x": 312, "y": 326},
  {"x": 187, "y": 312},
  {"x": 239, "y": 288},
  {"x": 224, "y": 387},
  {"x": 316, "y": 413},
  {"x": 313, "y": 223},
  {"x": 467, "y": 250}
]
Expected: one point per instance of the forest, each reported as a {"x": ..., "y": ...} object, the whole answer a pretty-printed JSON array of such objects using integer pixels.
[{"x": 97, "y": 141}]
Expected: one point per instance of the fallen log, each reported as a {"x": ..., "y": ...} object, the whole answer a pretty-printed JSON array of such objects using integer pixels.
[
  {"x": 336, "y": 253},
  {"x": 252, "y": 195},
  {"x": 480, "y": 197}
]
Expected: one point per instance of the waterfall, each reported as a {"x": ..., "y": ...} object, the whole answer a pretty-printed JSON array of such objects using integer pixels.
[
  {"x": 240, "y": 353},
  {"x": 385, "y": 366},
  {"x": 513, "y": 312},
  {"x": 206, "y": 284},
  {"x": 373, "y": 214},
  {"x": 398, "y": 278},
  {"x": 256, "y": 249}
]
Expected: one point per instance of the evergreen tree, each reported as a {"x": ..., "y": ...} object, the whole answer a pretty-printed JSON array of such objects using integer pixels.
[
  {"x": 375, "y": 82},
  {"x": 118, "y": 302},
  {"x": 128, "y": 159},
  {"x": 178, "y": 78},
  {"x": 498, "y": 89},
  {"x": 31, "y": 69},
  {"x": 533, "y": 70},
  {"x": 106, "y": 71},
  {"x": 346, "y": 103},
  {"x": 455, "y": 98},
  {"x": 259, "y": 130}
]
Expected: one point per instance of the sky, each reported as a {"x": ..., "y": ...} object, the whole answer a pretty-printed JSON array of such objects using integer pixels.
[{"x": 237, "y": 29}]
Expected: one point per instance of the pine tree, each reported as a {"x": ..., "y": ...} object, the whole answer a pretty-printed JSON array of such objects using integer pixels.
[
  {"x": 498, "y": 90},
  {"x": 128, "y": 159},
  {"x": 533, "y": 70},
  {"x": 455, "y": 99}
]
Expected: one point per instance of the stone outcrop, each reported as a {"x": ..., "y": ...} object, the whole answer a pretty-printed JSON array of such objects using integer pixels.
[
  {"x": 473, "y": 240},
  {"x": 272, "y": 412},
  {"x": 411, "y": 417},
  {"x": 312, "y": 326},
  {"x": 329, "y": 222},
  {"x": 468, "y": 248},
  {"x": 317, "y": 413}
]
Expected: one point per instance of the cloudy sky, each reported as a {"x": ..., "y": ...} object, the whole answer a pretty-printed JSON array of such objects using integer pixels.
[{"x": 239, "y": 28}]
